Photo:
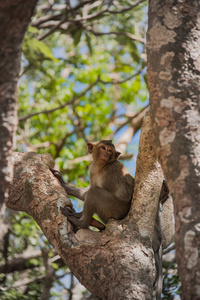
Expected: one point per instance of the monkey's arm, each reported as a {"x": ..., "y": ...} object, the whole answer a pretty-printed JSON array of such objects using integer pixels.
[{"x": 79, "y": 193}]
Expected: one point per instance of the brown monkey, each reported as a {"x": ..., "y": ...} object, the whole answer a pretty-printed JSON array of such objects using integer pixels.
[
  {"x": 109, "y": 195},
  {"x": 110, "y": 192}
]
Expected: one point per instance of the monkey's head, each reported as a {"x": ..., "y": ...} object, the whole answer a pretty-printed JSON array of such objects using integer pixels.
[{"x": 103, "y": 152}]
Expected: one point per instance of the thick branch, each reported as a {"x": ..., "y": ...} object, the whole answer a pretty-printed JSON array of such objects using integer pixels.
[
  {"x": 88, "y": 254},
  {"x": 15, "y": 16},
  {"x": 149, "y": 178},
  {"x": 124, "y": 245}
]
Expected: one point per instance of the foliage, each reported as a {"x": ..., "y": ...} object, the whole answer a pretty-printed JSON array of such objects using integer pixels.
[{"x": 81, "y": 58}]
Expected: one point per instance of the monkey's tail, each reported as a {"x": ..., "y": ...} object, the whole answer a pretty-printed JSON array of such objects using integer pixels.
[{"x": 159, "y": 284}]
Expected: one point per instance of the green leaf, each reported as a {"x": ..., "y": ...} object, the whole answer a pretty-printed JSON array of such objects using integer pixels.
[
  {"x": 77, "y": 37},
  {"x": 40, "y": 46},
  {"x": 32, "y": 29},
  {"x": 88, "y": 40},
  {"x": 55, "y": 266}
]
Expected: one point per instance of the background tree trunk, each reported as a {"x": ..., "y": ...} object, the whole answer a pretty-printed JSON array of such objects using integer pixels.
[
  {"x": 117, "y": 263},
  {"x": 173, "y": 45},
  {"x": 15, "y": 16}
]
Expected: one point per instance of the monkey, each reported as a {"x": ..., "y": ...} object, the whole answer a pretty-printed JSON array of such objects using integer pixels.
[{"x": 110, "y": 192}]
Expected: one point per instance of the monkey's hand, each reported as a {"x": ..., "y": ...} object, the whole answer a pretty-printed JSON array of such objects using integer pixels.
[
  {"x": 58, "y": 175},
  {"x": 79, "y": 193}
]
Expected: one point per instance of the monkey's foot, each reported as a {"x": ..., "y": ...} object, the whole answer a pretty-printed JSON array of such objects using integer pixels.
[
  {"x": 68, "y": 212},
  {"x": 71, "y": 212},
  {"x": 74, "y": 217},
  {"x": 58, "y": 175}
]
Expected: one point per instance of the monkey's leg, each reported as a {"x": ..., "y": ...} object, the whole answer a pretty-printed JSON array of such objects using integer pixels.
[
  {"x": 79, "y": 193},
  {"x": 105, "y": 204},
  {"x": 97, "y": 224},
  {"x": 74, "y": 220},
  {"x": 69, "y": 213}
]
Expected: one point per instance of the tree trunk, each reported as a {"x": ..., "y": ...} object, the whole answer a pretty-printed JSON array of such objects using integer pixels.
[
  {"x": 15, "y": 16},
  {"x": 117, "y": 263},
  {"x": 173, "y": 49}
]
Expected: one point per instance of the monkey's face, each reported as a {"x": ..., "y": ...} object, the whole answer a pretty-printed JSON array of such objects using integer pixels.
[{"x": 105, "y": 154}]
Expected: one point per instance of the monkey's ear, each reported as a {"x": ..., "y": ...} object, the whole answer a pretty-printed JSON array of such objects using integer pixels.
[
  {"x": 90, "y": 147},
  {"x": 117, "y": 154}
]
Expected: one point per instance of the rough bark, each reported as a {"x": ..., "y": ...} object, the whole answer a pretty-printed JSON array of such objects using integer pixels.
[
  {"x": 173, "y": 48},
  {"x": 115, "y": 264},
  {"x": 15, "y": 16}
]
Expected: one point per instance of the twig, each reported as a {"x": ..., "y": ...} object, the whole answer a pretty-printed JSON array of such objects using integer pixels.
[
  {"x": 169, "y": 249},
  {"x": 73, "y": 100},
  {"x": 44, "y": 19},
  {"x": 52, "y": 29},
  {"x": 127, "y": 8},
  {"x": 141, "y": 112},
  {"x": 127, "y": 34},
  {"x": 121, "y": 81}
]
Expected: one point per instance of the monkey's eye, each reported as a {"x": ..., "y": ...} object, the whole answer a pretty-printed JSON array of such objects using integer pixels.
[
  {"x": 103, "y": 148},
  {"x": 109, "y": 151}
]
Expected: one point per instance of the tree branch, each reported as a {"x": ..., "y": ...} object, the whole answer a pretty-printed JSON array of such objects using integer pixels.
[
  {"x": 49, "y": 275},
  {"x": 123, "y": 80},
  {"x": 19, "y": 262},
  {"x": 149, "y": 176},
  {"x": 127, "y": 8},
  {"x": 72, "y": 101},
  {"x": 135, "y": 124},
  {"x": 87, "y": 253},
  {"x": 127, "y": 34}
]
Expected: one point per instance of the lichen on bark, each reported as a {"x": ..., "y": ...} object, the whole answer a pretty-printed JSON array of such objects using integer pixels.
[{"x": 174, "y": 109}]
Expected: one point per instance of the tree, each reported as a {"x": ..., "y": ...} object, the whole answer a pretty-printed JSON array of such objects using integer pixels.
[
  {"x": 15, "y": 17},
  {"x": 92, "y": 254},
  {"x": 58, "y": 115},
  {"x": 173, "y": 72},
  {"x": 44, "y": 123}
]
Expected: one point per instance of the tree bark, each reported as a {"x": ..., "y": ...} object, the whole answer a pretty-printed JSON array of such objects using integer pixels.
[
  {"x": 15, "y": 16},
  {"x": 117, "y": 263},
  {"x": 173, "y": 49}
]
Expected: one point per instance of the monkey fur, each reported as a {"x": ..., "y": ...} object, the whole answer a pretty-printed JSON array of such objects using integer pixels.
[
  {"x": 109, "y": 196},
  {"x": 110, "y": 192}
]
